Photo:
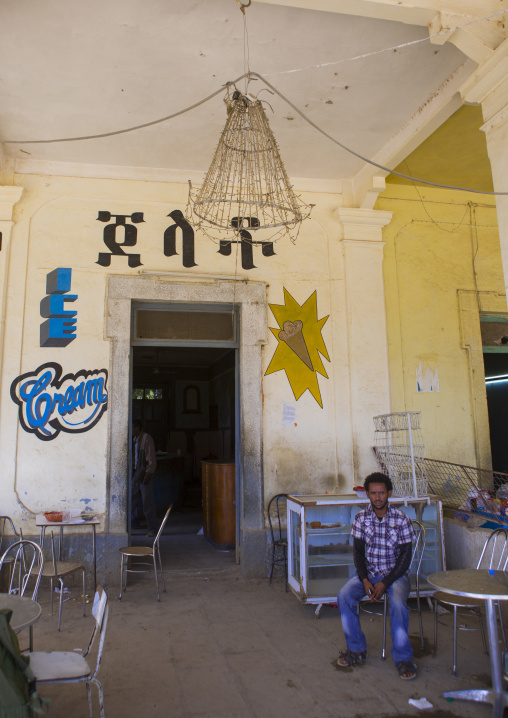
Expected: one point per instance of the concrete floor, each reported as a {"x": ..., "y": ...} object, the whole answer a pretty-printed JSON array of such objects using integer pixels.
[{"x": 221, "y": 646}]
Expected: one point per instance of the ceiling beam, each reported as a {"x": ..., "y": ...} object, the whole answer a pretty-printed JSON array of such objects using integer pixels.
[
  {"x": 411, "y": 12},
  {"x": 431, "y": 116}
]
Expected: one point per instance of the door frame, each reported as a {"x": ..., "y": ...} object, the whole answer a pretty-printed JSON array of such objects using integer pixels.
[
  {"x": 251, "y": 300},
  {"x": 197, "y": 344}
]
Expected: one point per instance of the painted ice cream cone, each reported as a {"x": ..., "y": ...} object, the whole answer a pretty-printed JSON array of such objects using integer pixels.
[{"x": 292, "y": 334}]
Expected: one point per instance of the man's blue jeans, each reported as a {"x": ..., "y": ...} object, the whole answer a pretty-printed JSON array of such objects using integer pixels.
[{"x": 349, "y": 597}]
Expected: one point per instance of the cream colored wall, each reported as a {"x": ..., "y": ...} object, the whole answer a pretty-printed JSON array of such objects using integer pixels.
[
  {"x": 428, "y": 267},
  {"x": 438, "y": 254},
  {"x": 56, "y": 226}
]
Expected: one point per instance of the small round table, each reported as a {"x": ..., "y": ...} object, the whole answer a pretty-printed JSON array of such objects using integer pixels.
[
  {"x": 490, "y": 586},
  {"x": 25, "y": 612}
]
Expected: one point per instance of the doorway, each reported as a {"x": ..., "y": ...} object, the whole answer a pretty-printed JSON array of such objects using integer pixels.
[
  {"x": 124, "y": 294},
  {"x": 185, "y": 398},
  {"x": 496, "y": 382}
]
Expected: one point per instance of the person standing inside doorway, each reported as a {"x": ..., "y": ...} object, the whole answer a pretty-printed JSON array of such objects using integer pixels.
[
  {"x": 143, "y": 469},
  {"x": 382, "y": 549}
]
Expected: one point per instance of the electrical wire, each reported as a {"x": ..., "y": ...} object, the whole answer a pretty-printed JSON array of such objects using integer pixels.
[
  {"x": 387, "y": 49},
  {"x": 439, "y": 226},
  {"x": 246, "y": 59},
  {"x": 248, "y": 76},
  {"x": 287, "y": 101}
]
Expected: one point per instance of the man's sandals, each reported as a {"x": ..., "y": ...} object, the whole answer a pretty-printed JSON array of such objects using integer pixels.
[
  {"x": 348, "y": 659},
  {"x": 407, "y": 671}
]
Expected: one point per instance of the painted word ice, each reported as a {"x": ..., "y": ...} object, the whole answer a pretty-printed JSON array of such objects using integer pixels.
[
  {"x": 59, "y": 328},
  {"x": 49, "y": 404}
]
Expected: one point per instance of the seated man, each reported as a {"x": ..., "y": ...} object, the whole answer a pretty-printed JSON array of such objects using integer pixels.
[{"x": 382, "y": 551}]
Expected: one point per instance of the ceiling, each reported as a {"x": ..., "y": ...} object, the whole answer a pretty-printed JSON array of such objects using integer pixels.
[{"x": 73, "y": 68}]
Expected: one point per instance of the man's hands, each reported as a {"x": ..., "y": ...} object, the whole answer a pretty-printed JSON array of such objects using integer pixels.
[
  {"x": 375, "y": 592},
  {"x": 147, "y": 479}
]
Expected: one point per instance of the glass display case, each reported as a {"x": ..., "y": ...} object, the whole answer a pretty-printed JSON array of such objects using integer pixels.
[{"x": 320, "y": 546}]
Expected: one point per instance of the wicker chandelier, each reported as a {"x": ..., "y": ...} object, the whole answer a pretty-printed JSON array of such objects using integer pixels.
[{"x": 246, "y": 186}]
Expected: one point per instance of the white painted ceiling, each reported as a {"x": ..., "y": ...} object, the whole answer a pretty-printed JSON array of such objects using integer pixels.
[{"x": 72, "y": 68}]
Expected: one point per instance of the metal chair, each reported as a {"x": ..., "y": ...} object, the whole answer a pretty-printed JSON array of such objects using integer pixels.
[
  {"x": 72, "y": 667},
  {"x": 277, "y": 510},
  {"x": 152, "y": 552},
  {"x": 3, "y": 521},
  {"x": 58, "y": 570},
  {"x": 418, "y": 551},
  {"x": 489, "y": 558},
  {"x": 24, "y": 559},
  {"x": 414, "y": 570}
]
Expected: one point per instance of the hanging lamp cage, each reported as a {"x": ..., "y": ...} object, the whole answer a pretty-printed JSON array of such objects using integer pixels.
[{"x": 246, "y": 185}]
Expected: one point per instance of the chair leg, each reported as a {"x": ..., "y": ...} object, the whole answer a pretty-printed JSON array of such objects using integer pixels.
[
  {"x": 162, "y": 570},
  {"x": 502, "y": 625},
  {"x": 482, "y": 628},
  {"x": 101, "y": 696},
  {"x": 383, "y": 652},
  {"x": 121, "y": 576},
  {"x": 422, "y": 643},
  {"x": 273, "y": 564},
  {"x": 51, "y": 595},
  {"x": 156, "y": 577},
  {"x": 454, "y": 669},
  {"x": 84, "y": 593},
  {"x": 61, "y": 601},
  {"x": 89, "y": 694},
  {"x": 435, "y": 629}
]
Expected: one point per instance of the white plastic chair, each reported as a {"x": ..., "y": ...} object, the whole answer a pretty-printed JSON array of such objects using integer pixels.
[
  {"x": 72, "y": 667},
  {"x": 152, "y": 552}
]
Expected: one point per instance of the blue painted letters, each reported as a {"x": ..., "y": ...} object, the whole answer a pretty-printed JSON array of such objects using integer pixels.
[
  {"x": 59, "y": 329},
  {"x": 49, "y": 405}
]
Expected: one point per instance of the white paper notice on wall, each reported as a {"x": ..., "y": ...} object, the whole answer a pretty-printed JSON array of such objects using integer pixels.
[
  {"x": 427, "y": 380},
  {"x": 288, "y": 414}
]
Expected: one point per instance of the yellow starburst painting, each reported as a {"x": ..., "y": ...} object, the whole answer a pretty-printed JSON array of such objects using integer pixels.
[{"x": 300, "y": 345}]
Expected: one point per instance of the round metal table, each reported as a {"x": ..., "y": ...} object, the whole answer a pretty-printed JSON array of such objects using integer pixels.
[
  {"x": 489, "y": 586},
  {"x": 25, "y": 612}
]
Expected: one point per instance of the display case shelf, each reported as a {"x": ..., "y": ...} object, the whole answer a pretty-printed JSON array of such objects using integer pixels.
[{"x": 320, "y": 560}]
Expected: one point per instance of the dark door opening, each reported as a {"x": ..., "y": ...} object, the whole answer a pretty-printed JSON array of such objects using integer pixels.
[
  {"x": 496, "y": 380},
  {"x": 185, "y": 399}
]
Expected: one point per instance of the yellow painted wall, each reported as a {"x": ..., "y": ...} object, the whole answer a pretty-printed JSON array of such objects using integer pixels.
[{"x": 440, "y": 246}]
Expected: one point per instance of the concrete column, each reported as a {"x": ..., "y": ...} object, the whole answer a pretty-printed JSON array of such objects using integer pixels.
[
  {"x": 489, "y": 86},
  {"x": 9, "y": 196},
  {"x": 369, "y": 384}
]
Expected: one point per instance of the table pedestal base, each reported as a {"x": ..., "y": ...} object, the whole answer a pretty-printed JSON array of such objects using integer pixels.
[{"x": 495, "y": 698}]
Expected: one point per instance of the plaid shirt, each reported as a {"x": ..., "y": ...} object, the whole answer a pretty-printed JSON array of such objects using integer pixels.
[{"x": 382, "y": 538}]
